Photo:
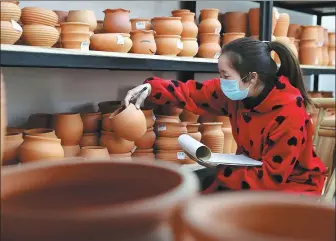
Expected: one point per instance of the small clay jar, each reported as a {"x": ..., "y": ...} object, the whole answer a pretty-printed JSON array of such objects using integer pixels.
[
  {"x": 310, "y": 32},
  {"x": 94, "y": 152},
  {"x": 91, "y": 122},
  {"x": 62, "y": 16},
  {"x": 170, "y": 129},
  {"x": 295, "y": 31},
  {"x": 44, "y": 132},
  {"x": 163, "y": 119},
  {"x": 209, "y": 47},
  {"x": 308, "y": 52},
  {"x": 8, "y": 34},
  {"x": 100, "y": 27},
  {"x": 39, "y": 120},
  {"x": 74, "y": 44},
  {"x": 10, "y": 11},
  {"x": 228, "y": 140},
  {"x": 229, "y": 37},
  {"x": 178, "y": 11},
  {"x": 38, "y": 16},
  {"x": 213, "y": 137},
  {"x": 70, "y": 27},
  {"x": 83, "y": 16},
  {"x": 12, "y": 142},
  {"x": 167, "y": 143},
  {"x": 68, "y": 128},
  {"x": 111, "y": 42},
  {"x": 37, "y": 148},
  {"x": 187, "y": 116},
  {"x": 89, "y": 139},
  {"x": 71, "y": 151},
  {"x": 235, "y": 22},
  {"x": 254, "y": 16},
  {"x": 114, "y": 143},
  {"x": 143, "y": 42},
  {"x": 40, "y": 35},
  {"x": 209, "y": 22},
  {"x": 150, "y": 117},
  {"x": 331, "y": 39},
  {"x": 106, "y": 122},
  {"x": 190, "y": 47},
  {"x": 117, "y": 21},
  {"x": 331, "y": 54},
  {"x": 190, "y": 29},
  {"x": 282, "y": 25},
  {"x": 167, "y": 25},
  {"x": 141, "y": 24},
  {"x": 147, "y": 140},
  {"x": 169, "y": 45}
]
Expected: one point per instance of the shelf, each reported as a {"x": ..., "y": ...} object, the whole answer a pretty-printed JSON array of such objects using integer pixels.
[{"x": 27, "y": 56}]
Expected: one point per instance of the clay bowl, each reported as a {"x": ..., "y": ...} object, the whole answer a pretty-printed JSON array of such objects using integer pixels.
[
  {"x": 166, "y": 119},
  {"x": 94, "y": 152},
  {"x": 147, "y": 140},
  {"x": 176, "y": 156},
  {"x": 52, "y": 208},
  {"x": 167, "y": 143},
  {"x": 108, "y": 106},
  {"x": 10, "y": 11},
  {"x": 8, "y": 34},
  {"x": 40, "y": 35},
  {"x": 111, "y": 42},
  {"x": 40, "y": 16},
  {"x": 170, "y": 129},
  {"x": 46, "y": 132}
]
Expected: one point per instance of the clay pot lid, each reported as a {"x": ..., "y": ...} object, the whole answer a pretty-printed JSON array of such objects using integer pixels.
[
  {"x": 37, "y": 131},
  {"x": 192, "y": 39},
  {"x": 166, "y": 18},
  {"x": 140, "y": 19},
  {"x": 167, "y": 36},
  {"x": 74, "y": 23},
  {"x": 116, "y": 10}
]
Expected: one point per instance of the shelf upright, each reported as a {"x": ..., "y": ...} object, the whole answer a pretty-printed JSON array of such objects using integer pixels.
[{"x": 265, "y": 20}]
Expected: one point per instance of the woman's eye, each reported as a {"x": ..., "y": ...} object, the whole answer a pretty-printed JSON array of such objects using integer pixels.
[{"x": 226, "y": 76}]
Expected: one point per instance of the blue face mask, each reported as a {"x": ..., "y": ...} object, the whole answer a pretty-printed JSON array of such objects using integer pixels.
[{"x": 231, "y": 89}]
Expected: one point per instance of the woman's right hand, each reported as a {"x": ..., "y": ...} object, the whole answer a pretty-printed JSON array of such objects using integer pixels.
[{"x": 141, "y": 98}]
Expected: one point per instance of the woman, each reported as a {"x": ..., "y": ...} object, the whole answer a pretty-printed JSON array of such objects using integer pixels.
[{"x": 267, "y": 110}]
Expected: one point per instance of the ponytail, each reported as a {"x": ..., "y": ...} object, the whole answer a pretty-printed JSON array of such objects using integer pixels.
[{"x": 290, "y": 67}]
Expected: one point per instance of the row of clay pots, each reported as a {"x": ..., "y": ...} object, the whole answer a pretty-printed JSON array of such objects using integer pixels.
[{"x": 75, "y": 35}]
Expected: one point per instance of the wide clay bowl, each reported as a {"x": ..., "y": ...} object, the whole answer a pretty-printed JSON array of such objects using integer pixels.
[
  {"x": 8, "y": 34},
  {"x": 111, "y": 42},
  {"x": 46, "y": 132},
  {"x": 40, "y": 35},
  {"x": 88, "y": 200},
  {"x": 10, "y": 11},
  {"x": 34, "y": 15}
]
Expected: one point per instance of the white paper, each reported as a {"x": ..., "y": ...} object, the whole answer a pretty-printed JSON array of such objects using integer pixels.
[
  {"x": 179, "y": 44},
  {"x": 161, "y": 127},
  {"x": 140, "y": 25},
  {"x": 85, "y": 45},
  {"x": 16, "y": 26},
  {"x": 120, "y": 40},
  {"x": 234, "y": 160}
]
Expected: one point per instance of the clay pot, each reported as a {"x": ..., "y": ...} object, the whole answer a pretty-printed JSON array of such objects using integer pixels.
[
  {"x": 143, "y": 42},
  {"x": 106, "y": 122},
  {"x": 196, "y": 135},
  {"x": 297, "y": 44},
  {"x": 209, "y": 47},
  {"x": 228, "y": 140},
  {"x": 178, "y": 11},
  {"x": 320, "y": 32},
  {"x": 325, "y": 37},
  {"x": 254, "y": 15},
  {"x": 38, "y": 16},
  {"x": 81, "y": 45},
  {"x": 229, "y": 37},
  {"x": 308, "y": 52},
  {"x": 62, "y": 16},
  {"x": 170, "y": 129},
  {"x": 190, "y": 47},
  {"x": 75, "y": 36},
  {"x": 190, "y": 29},
  {"x": 69, "y": 128},
  {"x": 9, "y": 34},
  {"x": 147, "y": 140},
  {"x": 111, "y": 42},
  {"x": 141, "y": 24},
  {"x": 188, "y": 116},
  {"x": 71, "y": 151},
  {"x": 325, "y": 59},
  {"x": 289, "y": 42},
  {"x": 170, "y": 45},
  {"x": 150, "y": 117},
  {"x": 121, "y": 157},
  {"x": 282, "y": 25},
  {"x": 91, "y": 122},
  {"x": 331, "y": 39},
  {"x": 108, "y": 106},
  {"x": 117, "y": 21},
  {"x": 100, "y": 27},
  {"x": 40, "y": 35},
  {"x": 310, "y": 32},
  {"x": 70, "y": 27},
  {"x": 143, "y": 155},
  {"x": 167, "y": 143},
  {"x": 331, "y": 54},
  {"x": 167, "y": 119},
  {"x": 235, "y": 22},
  {"x": 192, "y": 127},
  {"x": 89, "y": 139},
  {"x": 39, "y": 120},
  {"x": 129, "y": 123},
  {"x": 176, "y": 156},
  {"x": 167, "y": 25},
  {"x": 114, "y": 143},
  {"x": 37, "y": 148},
  {"x": 213, "y": 137},
  {"x": 225, "y": 120},
  {"x": 3, "y": 119},
  {"x": 294, "y": 30},
  {"x": 10, "y": 11},
  {"x": 44, "y": 132},
  {"x": 209, "y": 23},
  {"x": 12, "y": 142},
  {"x": 83, "y": 16},
  {"x": 94, "y": 152}
]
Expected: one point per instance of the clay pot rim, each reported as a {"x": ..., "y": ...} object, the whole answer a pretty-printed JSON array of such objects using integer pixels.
[
  {"x": 112, "y": 10},
  {"x": 209, "y": 9},
  {"x": 311, "y": 26},
  {"x": 212, "y": 123},
  {"x": 191, "y": 39},
  {"x": 142, "y": 31},
  {"x": 180, "y": 10},
  {"x": 42, "y": 138},
  {"x": 12, "y": 134},
  {"x": 166, "y": 18},
  {"x": 151, "y": 150},
  {"x": 140, "y": 19},
  {"x": 126, "y": 35},
  {"x": 90, "y": 113},
  {"x": 91, "y": 134},
  {"x": 166, "y": 116},
  {"x": 183, "y": 14},
  {"x": 38, "y": 131},
  {"x": 75, "y": 33},
  {"x": 234, "y": 33},
  {"x": 74, "y": 23},
  {"x": 167, "y": 36},
  {"x": 178, "y": 124},
  {"x": 73, "y": 41},
  {"x": 193, "y": 124},
  {"x": 93, "y": 148}
]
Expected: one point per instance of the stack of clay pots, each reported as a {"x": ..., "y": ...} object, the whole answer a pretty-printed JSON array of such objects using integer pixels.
[
  {"x": 311, "y": 42},
  {"x": 230, "y": 145},
  {"x": 142, "y": 36},
  {"x": 10, "y": 30},
  {"x": 295, "y": 31},
  {"x": 39, "y": 27},
  {"x": 331, "y": 48},
  {"x": 91, "y": 129},
  {"x": 235, "y": 25},
  {"x": 212, "y": 136}
]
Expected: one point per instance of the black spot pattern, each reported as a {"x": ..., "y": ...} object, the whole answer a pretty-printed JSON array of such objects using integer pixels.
[
  {"x": 237, "y": 130},
  {"x": 277, "y": 159},
  {"x": 205, "y": 105},
  {"x": 262, "y": 131},
  {"x": 247, "y": 118},
  {"x": 260, "y": 174},
  {"x": 215, "y": 95},
  {"x": 224, "y": 111},
  {"x": 170, "y": 88},
  {"x": 314, "y": 154},
  {"x": 254, "y": 111},
  {"x": 288, "y": 181},
  {"x": 245, "y": 185},
  {"x": 276, "y": 107},
  {"x": 301, "y": 129},
  {"x": 230, "y": 116},
  {"x": 247, "y": 153},
  {"x": 293, "y": 161},
  {"x": 175, "y": 82},
  {"x": 306, "y": 122},
  {"x": 279, "y": 85},
  {"x": 199, "y": 86},
  {"x": 149, "y": 79},
  {"x": 292, "y": 141},
  {"x": 251, "y": 143},
  {"x": 299, "y": 101},
  {"x": 227, "y": 172},
  {"x": 270, "y": 142},
  {"x": 303, "y": 141},
  {"x": 208, "y": 181},
  {"x": 277, "y": 178},
  {"x": 280, "y": 119},
  {"x": 310, "y": 181},
  {"x": 158, "y": 96},
  {"x": 316, "y": 169},
  {"x": 297, "y": 164},
  {"x": 183, "y": 104}
]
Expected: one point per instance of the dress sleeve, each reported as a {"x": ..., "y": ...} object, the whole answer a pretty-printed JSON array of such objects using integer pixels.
[{"x": 199, "y": 98}]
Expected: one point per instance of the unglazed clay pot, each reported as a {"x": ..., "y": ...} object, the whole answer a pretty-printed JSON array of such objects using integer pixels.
[
  {"x": 141, "y": 24},
  {"x": 164, "y": 119},
  {"x": 331, "y": 39},
  {"x": 310, "y": 32},
  {"x": 83, "y": 16},
  {"x": 190, "y": 47},
  {"x": 295, "y": 31},
  {"x": 254, "y": 15},
  {"x": 94, "y": 152},
  {"x": 76, "y": 36},
  {"x": 228, "y": 140},
  {"x": 37, "y": 148},
  {"x": 209, "y": 47},
  {"x": 143, "y": 155},
  {"x": 308, "y": 52},
  {"x": 177, "y": 11},
  {"x": 331, "y": 54},
  {"x": 39, "y": 16},
  {"x": 74, "y": 44},
  {"x": 91, "y": 122},
  {"x": 106, "y": 122},
  {"x": 3, "y": 119},
  {"x": 89, "y": 139},
  {"x": 176, "y": 156},
  {"x": 190, "y": 29},
  {"x": 196, "y": 135},
  {"x": 114, "y": 143},
  {"x": 209, "y": 22},
  {"x": 40, "y": 35},
  {"x": 9, "y": 34},
  {"x": 111, "y": 42},
  {"x": 117, "y": 21},
  {"x": 12, "y": 142},
  {"x": 70, "y": 27},
  {"x": 121, "y": 157},
  {"x": 235, "y": 22},
  {"x": 44, "y": 132},
  {"x": 325, "y": 55},
  {"x": 188, "y": 116},
  {"x": 71, "y": 151},
  {"x": 167, "y": 25},
  {"x": 167, "y": 143},
  {"x": 108, "y": 106},
  {"x": 289, "y": 42},
  {"x": 170, "y": 45},
  {"x": 143, "y": 42},
  {"x": 228, "y": 37},
  {"x": 282, "y": 25},
  {"x": 147, "y": 140},
  {"x": 170, "y": 129},
  {"x": 39, "y": 120},
  {"x": 100, "y": 27},
  {"x": 225, "y": 121},
  {"x": 10, "y": 11},
  {"x": 62, "y": 16},
  {"x": 213, "y": 137},
  {"x": 150, "y": 117},
  {"x": 69, "y": 128}
]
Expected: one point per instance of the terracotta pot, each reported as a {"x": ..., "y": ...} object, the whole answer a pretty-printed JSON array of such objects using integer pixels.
[
  {"x": 331, "y": 54},
  {"x": 282, "y": 25},
  {"x": 166, "y": 119},
  {"x": 10, "y": 11},
  {"x": 117, "y": 21},
  {"x": 254, "y": 20},
  {"x": 121, "y": 157},
  {"x": 14, "y": 129},
  {"x": 38, "y": 16},
  {"x": 91, "y": 122},
  {"x": 12, "y": 142},
  {"x": 209, "y": 23},
  {"x": 141, "y": 24},
  {"x": 331, "y": 39},
  {"x": 209, "y": 47},
  {"x": 94, "y": 152},
  {"x": 114, "y": 143},
  {"x": 294, "y": 30},
  {"x": 69, "y": 128},
  {"x": 170, "y": 45},
  {"x": 39, "y": 120},
  {"x": 40, "y": 35},
  {"x": 106, "y": 122},
  {"x": 150, "y": 117},
  {"x": 308, "y": 52},
  {"x": 143, "y": 155},
  {"x": 297, "y": 44},
  {"x": 37, "y": 148},
  {"x": 3, "y": 119},
  {"x": 188, "y": 116},
  {"x": 229, "y": 37},
  {"x": 235, "y": 22},
  {"x": 320, "y": 32},
  {"x": 9, "y": 34},
  {"x": 192, "y": 127},
  {"x": 44, "y": 132},
  {"x": 228, "y": 140},
  {"x": 81, "y": 45},
  {"x": 190, "y": 29},
  {"x": 325, "y": 56},
  {"x": 167, "y": 143},
  {"x": 75, "y": 36},
  {"x": 190, "y": 47},
  {"x": 167, "y": 25},
  {"x": 213, "y": 137},
  {"x": 178, "y": 11},
  {"x": 143, "y": 42},
  {"x": 170, "y": 129},
  {"x": 62, "y": 16},
  {"x": 100, "y": 27},
  {"x": 289, "y": 42},
  {"x": 71, "y": 151},
  {"x": 325, "y": 37},
  {"x": 108, "y": 106},
  {"x": 225, "y": 120},
  {"x": 176, "y": 156},
  {"x": 111, "y": 42},
  {"x": 83, "y": 16},
  {"x": 70, "y": 27},
  {"x": 129, "y": 123},
  {"x": 147, "y": 140},
  {"x": 89, "y": 139},
  {"x": 310, "y": 32}
]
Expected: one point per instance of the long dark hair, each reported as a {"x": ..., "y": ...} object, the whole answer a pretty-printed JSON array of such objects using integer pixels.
[{"x": 249, "y": 55}]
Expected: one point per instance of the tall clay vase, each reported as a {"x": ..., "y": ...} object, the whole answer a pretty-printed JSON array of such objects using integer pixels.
[
  {"x": 229, "y": 37},
  {"x": 254, "y": 16},
  {"x": 190, "y": 29},
  {"x": 143, "y": 42},
  {"x": 236, "y": 22},
  {"x": 117, "y": 21},
  {"x": 282, "y": 25},
  {"x": 37, "y": 148},
  {"x": 209, "y": 47},
  {"x": 228, "y": 140},
  {"x": 308, "y": 52},
  {"x": 91, "y": 122},
  {"x": 83, "y": 16},
  {"x": 94, "y": 152},
  {"x": 68, "y": 128},
  {"x": 213, "y": 137},
  {"x": 3, "y": 119},
  {"x": 12, "y": 143},
  {"x": 209, "y": 22}
]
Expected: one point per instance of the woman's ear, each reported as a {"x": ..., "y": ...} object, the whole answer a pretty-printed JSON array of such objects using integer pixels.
[{"x": 253, "y": 78}]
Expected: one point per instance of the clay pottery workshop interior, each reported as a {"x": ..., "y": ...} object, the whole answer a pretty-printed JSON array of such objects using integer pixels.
[
  {"x": 83, "y": 16},
  {"x": 235, "y": 22},
  {"x": 10, "y": 11},
  {"x": 114, "y": 143},
  {"x": 39, "y": 16},
  {"x": 44, "y": 132},
  {"x": 188, "y": 116},
  {"x": 169, "y": 45},
  {"x": 111, "y": 42},
  {"x": 190, "y": 47},
  {"x": 3, "y": 118},
  {"x": 89, "y": 139},
  {"x": 71, "y": 151},
  {"x": 190, "y": 29},
  {"x": 209, "y": 45},
  {"x": 178, "y": 11},
  {"x": 308, "y": 52},
  {"x": 9, "y": 35},
  {"x": 12, "y": 142},
  {"x": 209, "y": 22},
  {"x": 117, "y": 21},
  {"x": 150, "y": 117},
  {"x": 254, "y": 20},
  {"x": 228, "y": 37},
  {"x": 108, "y": 106},
  {"x": 141, "y": 24},
  {"x": 62, "y": 15},
  {"x": 170, "y": 129},
  {"x": 91, "y": 122},
  {"x": 143, "y": 42},
  {"x": 94, "y": 152},
  {"x": 40, "y": 35},
  {"x": 212, "y": 136},
  {"x": 69, "y": 128},
  {"x": 70, "y": 27},
  {"x": 147, "y": 140},
  {"x": 282, "y": 25},
  {"x": 167, "y": 143},
  {"x": 294, "y": 30},
  {"x": 167, "y": 25}
]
